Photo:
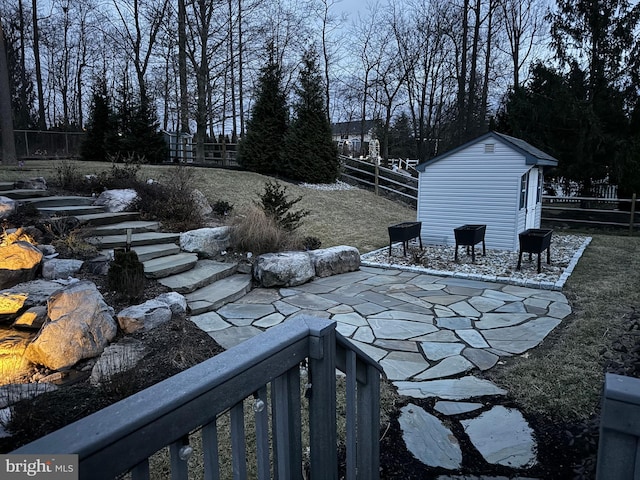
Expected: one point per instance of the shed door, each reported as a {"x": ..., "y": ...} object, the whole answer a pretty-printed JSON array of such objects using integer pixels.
[{"x": 532, "y": 199}]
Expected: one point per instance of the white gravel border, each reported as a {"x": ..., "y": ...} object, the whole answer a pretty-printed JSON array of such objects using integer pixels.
[{"x": 524, "y": 278}]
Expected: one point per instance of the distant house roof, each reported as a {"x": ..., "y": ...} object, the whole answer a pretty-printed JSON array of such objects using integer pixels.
[
  {"x": 352, "y": 128},
  {"x": 532, "y": 155}
]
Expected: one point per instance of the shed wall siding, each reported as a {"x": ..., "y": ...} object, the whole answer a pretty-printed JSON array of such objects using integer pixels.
[{"x": 473, "y": 187}]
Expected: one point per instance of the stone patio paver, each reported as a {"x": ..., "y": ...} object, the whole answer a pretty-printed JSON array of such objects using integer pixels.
[{"x": 429, "y": 334}]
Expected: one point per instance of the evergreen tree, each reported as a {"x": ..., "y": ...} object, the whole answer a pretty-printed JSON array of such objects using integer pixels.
[
  {"x": 101, "y": 139},
  {"x": 401, "y": 140},
  {"x": 141, "y": 138},
  {"x": 310, "y": 152},
  {"x": 261, "y": 148}
]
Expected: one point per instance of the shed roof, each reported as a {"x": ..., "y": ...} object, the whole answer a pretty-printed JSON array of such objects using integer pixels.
[{"x": 532, "y": 155}]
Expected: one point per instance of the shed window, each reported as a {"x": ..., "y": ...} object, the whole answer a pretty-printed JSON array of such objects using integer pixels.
[
  {"x": 489, "y": 147},
  {"x": 523, "y": 190},
  {"x": 540, "y": 185}
]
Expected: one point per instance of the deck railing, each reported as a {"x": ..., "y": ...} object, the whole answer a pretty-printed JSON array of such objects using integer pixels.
[{"x": 265, "y": 368}]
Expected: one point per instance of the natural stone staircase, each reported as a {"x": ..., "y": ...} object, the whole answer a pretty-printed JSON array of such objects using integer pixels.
[{"x": 207, "y": 284}]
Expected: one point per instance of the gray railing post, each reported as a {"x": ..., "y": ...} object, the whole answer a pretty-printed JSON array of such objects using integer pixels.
[
  {"x": 322, "y": 403},
  {"x": 369, "y": 425},
  {"x": 618, "y": 450}
]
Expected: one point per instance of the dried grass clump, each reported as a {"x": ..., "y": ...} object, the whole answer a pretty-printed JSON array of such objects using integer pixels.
[{"x": 256, "y": 232}]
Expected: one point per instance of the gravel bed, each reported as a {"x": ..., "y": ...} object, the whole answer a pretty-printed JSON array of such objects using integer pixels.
[{"x": 496, "y": 266}]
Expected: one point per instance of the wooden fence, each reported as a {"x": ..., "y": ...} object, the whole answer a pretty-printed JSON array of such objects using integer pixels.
[
  {"x": 572, "y": 211},
  {"x": 383, "y": 181},
  {"x": 591, "y": 212}
]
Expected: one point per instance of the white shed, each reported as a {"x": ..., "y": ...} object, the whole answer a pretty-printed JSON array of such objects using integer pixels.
[{"x": 495, "y": 180}]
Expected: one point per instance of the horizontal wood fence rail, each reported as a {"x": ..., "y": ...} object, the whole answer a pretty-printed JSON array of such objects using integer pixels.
[
  {"x": 379, "y": 178},
  {"x": 121, "y": 437},
  {"x": 581, "y": 211}
]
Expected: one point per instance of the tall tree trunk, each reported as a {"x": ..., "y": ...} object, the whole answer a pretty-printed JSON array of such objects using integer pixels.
[
  {"x": 42, "y": 125},
  {"x": 471, "y": 124},
  {"x": 487, "y": 63},
  {"x": 22, "y": 34},
  {"x": 240, "y": 69},
  {"x": 6, "y": 119},
  {"x": 232, "y": 80},
  {"x": 202, "y": 77},
  {"x": 182, "y": 67},
  {"x": 462, "y": 72}
]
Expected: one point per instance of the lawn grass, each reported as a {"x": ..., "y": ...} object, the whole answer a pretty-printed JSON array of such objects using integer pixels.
[
  {"x": 562, "y": 379},
  {"x": 354, "y": 217}
]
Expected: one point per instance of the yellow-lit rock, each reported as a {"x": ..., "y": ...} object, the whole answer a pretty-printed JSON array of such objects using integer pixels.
[
  {"x": 11, "y": 303},
  {"x": 14, "y": 366},
  {"x": 18, "y": 263}
]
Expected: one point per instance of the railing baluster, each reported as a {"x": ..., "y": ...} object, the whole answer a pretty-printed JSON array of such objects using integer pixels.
[
  {"x": 141, "y": 471},
  {"x": 322, "y": 405},
  {"x": 210, "y": 451},
  {"x": 287, "y": 425},
  {"x": 179, "y": 467},
  {"x": 262, "y": 435},
  {"x": 351, "y": 414},
  {"x": 369, "y": 425},
  {"x": 238, "y": 446}
]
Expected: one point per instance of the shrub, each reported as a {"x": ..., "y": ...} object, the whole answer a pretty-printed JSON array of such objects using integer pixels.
[
  {"x": 68, "y": 176},
  {"x": 222, "y": 208},
  {"x": 311, "y": 243},
  {"x": 126, "y": 274},
  {"x": 258, "y": 233},
  {"x": 170, "y": 200},
  {"x": 276, "y": 204}
]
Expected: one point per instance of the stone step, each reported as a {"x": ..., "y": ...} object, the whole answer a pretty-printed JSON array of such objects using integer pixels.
[
  {"x": 219, "y": 293},
  {"x": 164, "y": 266},
  {"x": 148, "y": 252},
  {"x": 136, "y": 226},
  {"x": 107, "y": 218},
  {"x": 59, "y": 201},
  {"x": 204, "y": 273},
  {"x": 71, "y": 210},
  {"x": 22, "y": 193},
  {"x": 145, "y": 238},
  {"x": 4, "y": 186}
]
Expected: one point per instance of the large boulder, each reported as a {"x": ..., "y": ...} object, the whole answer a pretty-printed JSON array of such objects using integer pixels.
[
  {"x": 201, "y": 203},
  {"x": 38, "y": 183},
  {"x": 152, "y": 313},
  {"x": 206, "y": 242},
  {"x": 19, "y": 263},
  {"x": 283, "y": 269},
  {"x": 15, "y": 366},
  {"x": 117, "y": 358},
  {"x": 335, "y": 260},
  {"x": 80, "y": 326},
  {"x": 117, "y": 200},
  {"x": 60, "y": 268},
  {"x": 37, "y": 291},
  {"x": 7, "y": 206}
]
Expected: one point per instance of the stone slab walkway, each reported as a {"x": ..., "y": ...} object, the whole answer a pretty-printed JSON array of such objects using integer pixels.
[{"x": 429, "y": 334}]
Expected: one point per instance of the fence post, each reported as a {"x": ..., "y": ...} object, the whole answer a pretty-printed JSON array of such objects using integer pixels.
[
  {"x": 632, "y": 214},
  {"x": 377, "y": 174},
  {"x": 619, "y": 429}
]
